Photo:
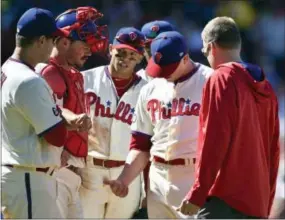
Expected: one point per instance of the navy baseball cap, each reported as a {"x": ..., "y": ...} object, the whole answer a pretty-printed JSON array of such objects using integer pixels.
[
  {"x": 167, "y": 50},
  {"x": 37, "y": 22},
  {"x": 130, "y": 38},
  {"x": 152, "y": 29}
]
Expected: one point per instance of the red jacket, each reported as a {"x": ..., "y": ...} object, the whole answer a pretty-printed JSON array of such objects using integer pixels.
[
  {"x": 238, "y": 147},
  {"x": 69, "y": 85}
]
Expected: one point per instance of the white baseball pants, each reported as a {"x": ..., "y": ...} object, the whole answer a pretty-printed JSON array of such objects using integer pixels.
[
  {"x": 68, "y": 199},
  {"x": 169, "y": 184},
  {"x": 27, "y": 195},
  {"x": 98, "y": 201}
]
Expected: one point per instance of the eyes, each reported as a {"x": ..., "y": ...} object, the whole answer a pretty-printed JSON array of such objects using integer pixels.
[{"x": 132, "y": 56}]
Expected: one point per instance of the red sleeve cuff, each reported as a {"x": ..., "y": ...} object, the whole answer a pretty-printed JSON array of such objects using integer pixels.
[
  {"x": 196, "y": 196},
  {"x": 140, "y": 141}
]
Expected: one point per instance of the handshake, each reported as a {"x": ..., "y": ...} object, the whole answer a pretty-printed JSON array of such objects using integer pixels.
[{"x": 74, "y": 122}]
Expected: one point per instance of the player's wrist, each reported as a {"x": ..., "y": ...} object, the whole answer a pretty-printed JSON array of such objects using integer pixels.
[{"x": 122, "y": 178}]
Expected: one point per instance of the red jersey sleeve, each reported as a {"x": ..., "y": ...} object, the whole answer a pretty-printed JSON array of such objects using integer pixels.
[
  {"x": 54, "y": 79},
  {"x": 140, "y": 141},
  {"x": 275, "y": 158},
  {"x": 217, "y": 118}
]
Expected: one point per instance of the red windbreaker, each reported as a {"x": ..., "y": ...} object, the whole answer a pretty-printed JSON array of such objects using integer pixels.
[{"x": 238, "y": 149}]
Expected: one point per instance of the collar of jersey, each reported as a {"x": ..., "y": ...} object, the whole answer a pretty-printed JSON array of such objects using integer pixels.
[
  {"x": 188, "y": 75},
  {"x": 22, "y": 62}
]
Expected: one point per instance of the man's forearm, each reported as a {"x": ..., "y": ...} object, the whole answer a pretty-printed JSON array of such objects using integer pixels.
[{"x": 135, "y": 163}]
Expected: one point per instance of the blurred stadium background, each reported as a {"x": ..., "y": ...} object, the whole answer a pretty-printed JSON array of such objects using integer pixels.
[{"x": 262, "y": 25}]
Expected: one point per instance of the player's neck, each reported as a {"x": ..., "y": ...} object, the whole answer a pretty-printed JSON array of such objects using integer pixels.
[
  {"x": 188, "y": 68},
  {"x": 227, "y": 57},
  {"x": 60, "y": 59},
  {"x": 122, "y": 75},
  {"x": 26, "y": 55}
]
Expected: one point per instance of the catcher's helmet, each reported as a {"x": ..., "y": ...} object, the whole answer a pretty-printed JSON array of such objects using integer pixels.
[{"x": 80, "y": 24}]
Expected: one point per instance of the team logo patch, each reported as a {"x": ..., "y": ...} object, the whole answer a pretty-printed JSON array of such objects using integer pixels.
[
  {"x": 157, "y": 57},
  {"x": 133, "y": 36},
  {"x": 154, "y": 28}
]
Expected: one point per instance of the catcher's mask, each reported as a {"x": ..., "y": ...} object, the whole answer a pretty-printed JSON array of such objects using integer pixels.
[{"x": 80, "y": 24}]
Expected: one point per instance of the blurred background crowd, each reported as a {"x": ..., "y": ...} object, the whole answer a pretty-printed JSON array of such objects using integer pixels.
[{"x": 262, "y": 24}]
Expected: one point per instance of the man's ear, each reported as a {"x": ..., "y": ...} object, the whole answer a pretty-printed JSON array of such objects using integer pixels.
[
  {"x": 140, "y": 58},
  {"x": 110, "y": 48},
  {"x": 186, "y": 58},
  {"x": 42, "y": 39}
]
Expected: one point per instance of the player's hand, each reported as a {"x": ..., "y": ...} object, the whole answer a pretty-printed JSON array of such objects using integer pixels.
[
  {"x": 79, "y": 123},
  {"x": 65, "y": 155},
  {"x": 188, "y": 208},
  {"x": 117, "y": 187},
  {"x": 83, "y": 123}
]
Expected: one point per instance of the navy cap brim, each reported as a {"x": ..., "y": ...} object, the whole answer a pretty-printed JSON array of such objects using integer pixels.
[
  {"x": 126, "y": 46},
  {"x": 156, "y": 71}
]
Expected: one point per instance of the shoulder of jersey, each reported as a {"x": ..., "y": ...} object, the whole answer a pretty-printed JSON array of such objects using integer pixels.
[
  {"x": 153, "y": 84},
  {"x": 205, "y": 71},
  {"x": 39, "y": 67},
  {"x": 142, "y": 73},
  {"x": 92, "y": 71},
  {"x": 27, "y": 75}
]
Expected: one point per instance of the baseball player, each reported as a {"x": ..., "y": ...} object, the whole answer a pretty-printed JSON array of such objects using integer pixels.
[
  {"x": 150, "y": 31},
  {"x": 31, "y": 123},
  {"x": 112, "y": 92},
  {"x": 165, "y": 127},
  {"x": 84, "y": 37}
]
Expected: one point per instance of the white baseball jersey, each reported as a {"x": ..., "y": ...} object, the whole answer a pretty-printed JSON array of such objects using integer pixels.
[
  {"x": 28, "y": 110},
  {"x": 111, "y": 116},
  {"x": 168, "y": 113},
  {"x": 75, "y": 161}
]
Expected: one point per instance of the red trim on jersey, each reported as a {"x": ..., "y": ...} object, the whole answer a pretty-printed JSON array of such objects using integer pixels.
[
  {"x": 56, "y": 136},
  {"x": 122, "y": 85},
  {"x": 140, "y": 141}
]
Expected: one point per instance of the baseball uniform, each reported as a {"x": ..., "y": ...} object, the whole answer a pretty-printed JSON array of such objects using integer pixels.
[
  {"x": 108, "y": 141},
  {"x": 30, "y": 122},
  {"x": 167, "y": 115},
  {"x": 28, "y": 111},
  {"x": 111, "y": 108}
]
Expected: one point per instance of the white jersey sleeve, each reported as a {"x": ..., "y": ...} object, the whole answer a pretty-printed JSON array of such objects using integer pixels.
[
  {"x": 142, "y": 121},
  {"x": 33, "y": 98}
]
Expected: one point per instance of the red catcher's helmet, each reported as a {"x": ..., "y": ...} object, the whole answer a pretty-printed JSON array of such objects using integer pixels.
[{"x": 80, "y": 24}]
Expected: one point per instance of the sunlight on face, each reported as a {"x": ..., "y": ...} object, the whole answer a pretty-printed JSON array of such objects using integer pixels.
[{"x": 124, "y": 60}]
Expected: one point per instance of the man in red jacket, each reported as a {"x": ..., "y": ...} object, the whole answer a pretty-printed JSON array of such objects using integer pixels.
[
  {"x": 70, "y": 53},
  {"x": 238, "y": 147}
]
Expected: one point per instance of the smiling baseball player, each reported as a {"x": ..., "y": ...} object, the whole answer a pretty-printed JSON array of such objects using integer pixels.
[
  {"x": 166, "y": 126},
  {"x": 112, "y": 92}
]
